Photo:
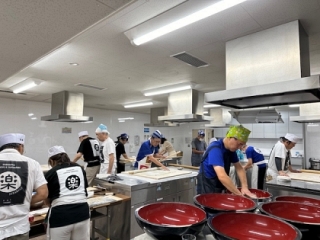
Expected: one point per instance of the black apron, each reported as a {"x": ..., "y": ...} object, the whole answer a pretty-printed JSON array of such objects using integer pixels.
[{"x": 212, "y": 185}]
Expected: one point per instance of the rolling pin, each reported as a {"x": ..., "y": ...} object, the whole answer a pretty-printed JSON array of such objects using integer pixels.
[
  {"x": 184, "y": 166},
  {"x": 310, "y": 171}
]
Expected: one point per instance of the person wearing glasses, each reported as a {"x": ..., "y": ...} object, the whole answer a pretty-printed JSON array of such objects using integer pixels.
[
  {"x": 214, "y": 170},
  {"x": 279, "y": 162},
  {"x": 149, "y": 152},
  {"x": 120, "y": 150}
]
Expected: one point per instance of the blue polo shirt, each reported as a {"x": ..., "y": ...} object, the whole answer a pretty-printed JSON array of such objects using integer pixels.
[
  {"x": 256, "y": 155},
  {"x": 215, "y": 158},
  {"x": 145, "y": 150}
]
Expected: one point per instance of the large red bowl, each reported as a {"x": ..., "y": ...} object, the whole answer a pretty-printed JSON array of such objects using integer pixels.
[
  {"x": 170, "y": 220},
  {"x": 219, "y": 202},
  {"x": 299, "y": 199},
  {"x": 303, "y": 216},
  {"x": 261, "y": 195},
  {"x": 251, "y": 226}
]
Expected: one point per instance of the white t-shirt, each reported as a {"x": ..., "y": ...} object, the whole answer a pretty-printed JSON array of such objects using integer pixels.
[
  {"x": 279, "y": 150},
  {"x": 107, "y": 147},
  {"x": 19, "y": 176}
]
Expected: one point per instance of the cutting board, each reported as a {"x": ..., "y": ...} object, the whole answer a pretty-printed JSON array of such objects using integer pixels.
[
  {"x": 156, "y": 173},
  {"x": 311, "y": 177}
]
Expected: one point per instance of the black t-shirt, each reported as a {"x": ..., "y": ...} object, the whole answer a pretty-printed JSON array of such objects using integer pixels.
[
  {"x": 119, "y": 150},
  {"x": 67, "y": 180},
  {"x": 89, "y": 147}
]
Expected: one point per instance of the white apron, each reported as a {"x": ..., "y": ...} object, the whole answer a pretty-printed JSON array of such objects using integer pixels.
[
  {"x": 142, "y": 164},
  {"x": 255, "y": 171}
]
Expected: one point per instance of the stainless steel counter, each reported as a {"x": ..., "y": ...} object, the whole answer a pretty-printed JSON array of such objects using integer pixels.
[{"x": 293, "y": 187}]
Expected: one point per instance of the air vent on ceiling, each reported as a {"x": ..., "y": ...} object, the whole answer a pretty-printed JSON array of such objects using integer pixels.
[
  {"x": 189, "y": 59},
  {"x": 90, "y": 86}
]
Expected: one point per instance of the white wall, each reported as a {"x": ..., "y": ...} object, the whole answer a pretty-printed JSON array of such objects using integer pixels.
[
  {"x": 41, "y": 135},
  {"x": 312, "y": 142}
]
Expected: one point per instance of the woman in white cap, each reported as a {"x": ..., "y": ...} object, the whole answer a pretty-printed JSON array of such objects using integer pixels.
[
  {"x": 279, "y": 162},
  {"x": 69, "y": 214}
]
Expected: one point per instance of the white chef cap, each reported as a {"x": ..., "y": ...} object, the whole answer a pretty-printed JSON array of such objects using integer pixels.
[
  {"x": 12, "y": 138},
  {"x": 291, "y": 137},
  {"x": 55, "y": 150},
  {"x": 83, "y": 133}
]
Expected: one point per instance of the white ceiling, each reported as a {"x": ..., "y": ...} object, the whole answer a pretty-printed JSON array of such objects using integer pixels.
[{"x": 91, "y": 33}]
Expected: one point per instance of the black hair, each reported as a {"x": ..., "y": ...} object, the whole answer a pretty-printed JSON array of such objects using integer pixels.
[
  {"x": 10, "y": 145},
  {"x": 283, "y": 139},
  {"x": 60, "y": 158},
  {"x": 163, "y": 140}
]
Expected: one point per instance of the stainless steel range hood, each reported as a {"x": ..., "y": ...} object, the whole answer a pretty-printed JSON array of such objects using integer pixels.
[
  {"x": 185, "y": 106},
  {"x": 268, "y": 68},
  {"x": 67, "y": 107},
  {"x": 309, "y": 113},
  {"x": 154, "y": 122},
  {"x": 221, "y": 118},
  {"x": 257, "y": 116}
]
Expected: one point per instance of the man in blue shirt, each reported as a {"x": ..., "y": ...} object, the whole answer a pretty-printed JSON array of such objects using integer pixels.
[
  {"x": 149, "y": 151},
  {"x": 258, "y": 165},
  {"x": 215, "y": 166}
]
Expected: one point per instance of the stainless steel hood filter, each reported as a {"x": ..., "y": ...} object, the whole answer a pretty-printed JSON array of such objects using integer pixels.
[
  {"x": 185, "y": 106},
  {"x": 67, "y": 107},
  {"x": 154, "y": 122},
  {"x": 268, "y": 68},
  {"x": 257, "y": 116}
]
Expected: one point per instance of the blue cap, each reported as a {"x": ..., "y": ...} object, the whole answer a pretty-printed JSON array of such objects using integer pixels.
[
  {"x": 124, "y": 136},
  {"x": 157, "y": 134},
  {"x": 200, "y": 132}
]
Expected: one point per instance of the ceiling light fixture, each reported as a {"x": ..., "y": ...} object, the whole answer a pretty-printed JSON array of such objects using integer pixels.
[
  {"x": 138, "y": 105},
  {"x": 211, "y": 105},
  {"x": 182, "y": 22},
  {"x": 127, "y": 118},
  {"x": 25, "y": 85},
  {"x": 30, "y": 114},
  {"x": 168, "y": 89},
  {"x": 33, "y": 118},
  {"x": 74, "y": 64},
  {"x": 294, "y": 105}
]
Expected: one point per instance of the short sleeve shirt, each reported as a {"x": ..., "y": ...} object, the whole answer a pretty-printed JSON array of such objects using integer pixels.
[
  {"x": 89, "y": 147},
  {"x": 119, "y": 149},
  {"x": 215, "y": 158},
  {"x": 256, "y": 155}
]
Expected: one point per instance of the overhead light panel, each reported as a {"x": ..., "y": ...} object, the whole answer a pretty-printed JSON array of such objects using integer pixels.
[
  {"x": 167, "y": 89},
  {"x": 182, "y": 22},
  {"x": 294, "y": 105},
  {"x": 211, "y": 105},
  {"x": 126, "y": 118},
  {"x": 138, "y": 105},
  {"x": 25, "y": 85}
]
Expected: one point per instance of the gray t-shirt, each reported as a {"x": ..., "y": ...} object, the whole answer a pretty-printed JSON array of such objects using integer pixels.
[{"x": 200, "y": 146}]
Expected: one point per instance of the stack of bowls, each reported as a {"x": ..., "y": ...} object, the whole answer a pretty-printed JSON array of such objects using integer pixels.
[{"x": 170, "y": 220}]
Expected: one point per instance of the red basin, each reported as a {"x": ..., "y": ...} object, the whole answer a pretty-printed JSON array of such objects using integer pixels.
[
  {"x": 169, "y": 220},
  {"x": 219, "y": 202},
  {"x": 251, "y": 226},
  {"x": 298, "y": 199},
  {"x": 294, "y": 212},
  {"x": 259, "y": 193}
]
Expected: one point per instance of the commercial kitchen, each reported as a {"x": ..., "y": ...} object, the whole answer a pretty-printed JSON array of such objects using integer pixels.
[{"x": 68, "y": 66}]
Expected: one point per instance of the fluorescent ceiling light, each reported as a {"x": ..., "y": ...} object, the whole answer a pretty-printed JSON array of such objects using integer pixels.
[
  {"x": 138, "y": 104},
  {"x": 121, "y": 120},
  {"x": 74, "y": 64},
  {"x": 33, "y": 118},
  {"x": 127, "y": 118},
  {"x": 313, "y": 125},
  {"x": 168, "y": 89},
  {"x": 211, "y": 105},
  {"x": 182, "y": 22},
  {"x": 25, "y": 85},
  {"x": 30, "y": 114},
  {"x": 294, "y": 105},
  {"x": 205, "y": 112}
]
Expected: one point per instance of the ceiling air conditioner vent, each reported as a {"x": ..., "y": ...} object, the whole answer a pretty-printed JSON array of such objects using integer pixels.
[
  {"x": 189, "y": 59},
  {"x": 90, "y": 86}
]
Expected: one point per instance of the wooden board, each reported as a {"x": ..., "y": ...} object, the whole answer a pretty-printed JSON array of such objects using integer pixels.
[
  {"x": 310, "y": 177},
  {"x": 184, "y": 166},
  {"x": 160, "y": 174},
  {"x": 310, "y": 171}
]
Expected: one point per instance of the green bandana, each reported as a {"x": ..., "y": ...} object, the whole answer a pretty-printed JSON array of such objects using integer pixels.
[{"x": 239, "y": 132}]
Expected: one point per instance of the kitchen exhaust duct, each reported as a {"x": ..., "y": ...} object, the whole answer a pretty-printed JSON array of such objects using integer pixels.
[
  {"x": 268, "y": 68},
  {"x": 221, "y": 118},
  {"x": 154, "y": 122},
  {"x": 257, "y": 116},
  {"x": 308, "y": 113},
  {"x": 67, "y": 107},
  {"x": 185, "y": 106}
]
